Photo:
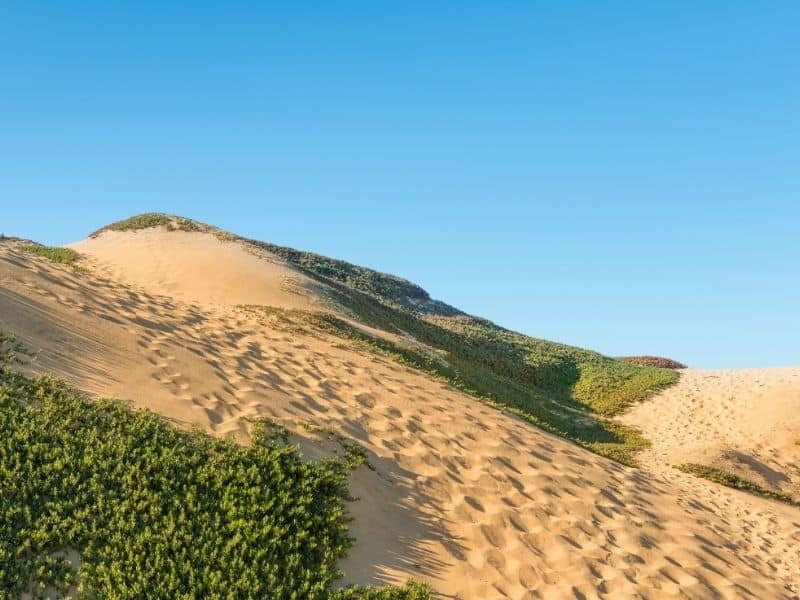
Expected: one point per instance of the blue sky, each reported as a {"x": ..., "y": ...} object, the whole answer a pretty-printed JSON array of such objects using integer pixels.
[{"x": 616, "y": 175}]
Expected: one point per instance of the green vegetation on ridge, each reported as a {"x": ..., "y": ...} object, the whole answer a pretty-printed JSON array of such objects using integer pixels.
[
  {"x": 152, "y": 511},
  {"x": 380, "y": 285},
  {"x": 564, "y": 390},
  {"x": 147, "y": 220},
  {"x": 65, "y": 256},
  {"x": 653, "y": 361},
  {"x": 734, "y": 481}
]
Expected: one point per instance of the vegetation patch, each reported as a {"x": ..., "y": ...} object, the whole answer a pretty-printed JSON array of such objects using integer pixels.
[
  {"x": 155, "y": 511},
  {"x": 354, "y": 455},
  {"x": 154, "y": 219},
  {"x": 563, "y": 390},
  {"x": 653, "y": 361},
  {"x": 143, "y": 221},
  {"x": 413, "y": 590},
  {"x": 291, "y": 320},
  {"x": 735, "y": 481},
  {"x": 65, "y": 256}
]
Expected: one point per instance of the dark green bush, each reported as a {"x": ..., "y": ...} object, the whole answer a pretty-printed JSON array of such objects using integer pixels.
[{"x": 158, "y": 512}]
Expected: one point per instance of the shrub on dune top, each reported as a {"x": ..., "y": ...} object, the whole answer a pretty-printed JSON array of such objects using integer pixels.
[{"x": 653, "y": 361}]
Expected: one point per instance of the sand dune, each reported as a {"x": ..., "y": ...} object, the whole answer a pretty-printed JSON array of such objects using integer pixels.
[{"x": 477, "y": 502}]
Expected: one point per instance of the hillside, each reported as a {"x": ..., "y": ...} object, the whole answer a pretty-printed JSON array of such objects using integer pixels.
[
  {"x": 564, "y": 390},
  {"x": 455, "y": 486}
]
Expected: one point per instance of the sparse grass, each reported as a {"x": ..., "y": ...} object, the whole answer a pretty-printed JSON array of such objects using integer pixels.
[
  {"x": 732, "y": 480},
  {"x": 148, "y": 220},
  {"x": 182, "y": 224},
  {"x": 293, "y": 321},
  {"x": 65, "y": 256},
  {"x": 136, "y": 223},
  {"x": 157, "y": 512},
  {"x": 354, "y": 454},
  {"x": 653, "y": 361},
  {"x": 225, "y": 236}
]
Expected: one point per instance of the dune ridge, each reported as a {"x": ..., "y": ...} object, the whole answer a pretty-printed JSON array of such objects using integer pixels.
[{"x": 475, "y": 501}]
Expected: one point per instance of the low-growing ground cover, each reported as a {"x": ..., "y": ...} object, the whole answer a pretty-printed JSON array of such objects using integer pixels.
[
  {"x": 65, "y": 256},
  {"x": 155, "y": 511},
  {"x": 147, "y": 220},
  {"x": 410, "y": 591},
  {"x": 735, "y": 481},
  {"x": 653, "y": 361}
]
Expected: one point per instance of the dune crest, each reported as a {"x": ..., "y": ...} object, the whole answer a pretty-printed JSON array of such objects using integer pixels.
[{"x": 197, "y": 267}]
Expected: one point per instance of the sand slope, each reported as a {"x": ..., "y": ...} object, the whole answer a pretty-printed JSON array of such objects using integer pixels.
[
  {"x": 746, "y": 421},
  {"x": 196, "y": 268},
  {"x": 472, "y": 500}
]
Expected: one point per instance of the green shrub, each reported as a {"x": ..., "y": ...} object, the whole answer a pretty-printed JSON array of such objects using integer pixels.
[
  {"x": 142, "y": 221},
  {"x": 412, "y": 590},
  {"x": 653, "y": 361},
  {"x": 65, "y": 256},
  {"x": 354, "y": 455},
  {"x": 154, "y": 511}
]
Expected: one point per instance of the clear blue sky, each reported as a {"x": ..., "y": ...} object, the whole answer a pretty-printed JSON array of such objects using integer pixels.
[{"x": 623, "y": 176}]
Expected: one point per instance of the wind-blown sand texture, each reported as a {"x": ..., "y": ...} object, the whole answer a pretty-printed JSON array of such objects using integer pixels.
[{"x": 472, "y": 500}]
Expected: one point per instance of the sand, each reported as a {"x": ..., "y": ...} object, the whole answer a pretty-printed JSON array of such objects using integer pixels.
[
  {"x": 746, "y": 421},
  {"x": 474, "y": 501},
  {"x": 197, "y": 268}
]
